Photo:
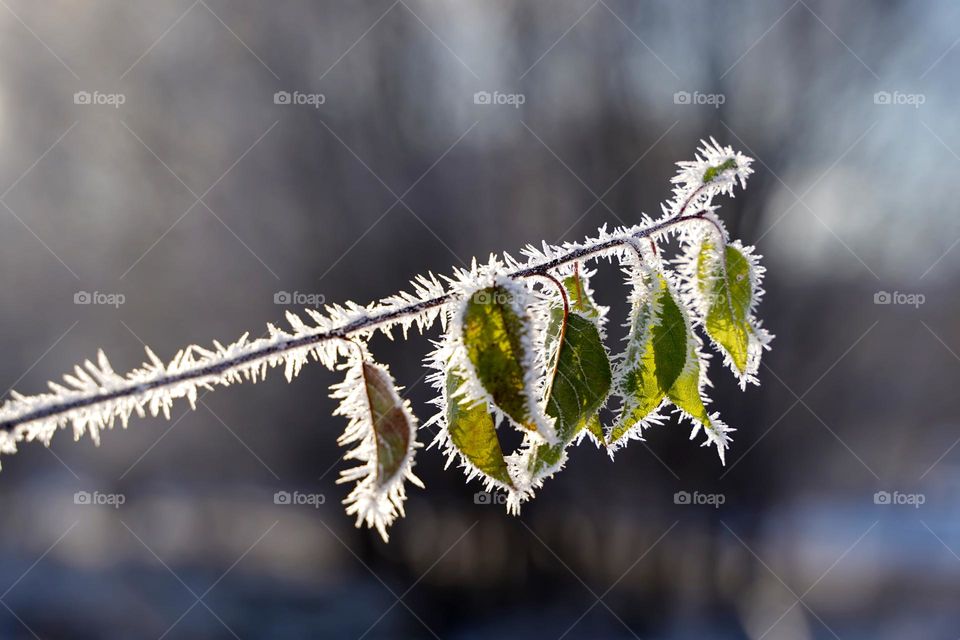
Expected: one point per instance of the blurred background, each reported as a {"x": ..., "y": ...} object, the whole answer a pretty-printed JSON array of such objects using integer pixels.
[{"x": 180, "y": 166}]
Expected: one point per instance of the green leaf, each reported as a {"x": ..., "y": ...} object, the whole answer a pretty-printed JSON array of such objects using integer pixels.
[
  {"x": 596, "y": 430},
  {"x": 712, "y": 172},
  {"x": 657, "y": 353},
  {"x": 580, "y": 301},
  {"x": 726, "y": 286},
  {"x": 685, "y": 392},
  {"x": 663, "y": 362},
  {"x": 473, "y": 433},
  {"x": 391, "y": 428},
  {"x": 580, "y": 385},
  {"x": 670, "y": 337},
  {"x": 494, "y": 335}
]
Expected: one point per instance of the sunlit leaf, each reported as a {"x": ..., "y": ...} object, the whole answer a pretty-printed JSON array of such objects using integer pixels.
[
  {"x": 595, "y": 428},
  {"x": 579, "y": 296},
  {"x": 656, "y": 354},
  {"x": 725, "y": 284},
  {"x": 472, "y": 432},
  {"x": 496, "y": 336},
  {"x": 663, "y": 363},
  {"x": 687, "y": 395},
  {"x": 579, "y": 386},
  {"x": 685, "y": 391}
]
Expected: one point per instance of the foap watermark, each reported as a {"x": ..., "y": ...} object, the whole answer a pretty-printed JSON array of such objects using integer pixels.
[
  {"x": 99, "y": 298},
  {"x": 898, "y": 98},
  {"x": 299, "y": 98},
  {"x": 299, "y": 298},
  {"x": 498, "y": 98},
  {"x": 297, "y": 498},
  {"x": 493, "y": 296},
  {"x": 696, "y": 498},
  {"x": 897, "y": 498},
  {"x": 712, "y": 99},
  {"x": 899, "y": 298},
  {"x": 98, "y": 98},
  {"x": 485, "y": 497},
  {"x": 96, "y": 498}
]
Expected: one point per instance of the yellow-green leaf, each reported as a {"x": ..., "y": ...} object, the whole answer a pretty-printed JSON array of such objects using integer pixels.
[
  {"x": 473, "y": 433},
  {"x": 725, "y": 284},
  {"x": 712, "y": 172},
  {"x": 580, "y": 300},
  {"x": 580, "y": 384},
  {"x": 596, "y": 430},
  {"x": 495, "y": 336},
  {"x": 657, "y": 352},
  {"x": 685, "y": 392}
]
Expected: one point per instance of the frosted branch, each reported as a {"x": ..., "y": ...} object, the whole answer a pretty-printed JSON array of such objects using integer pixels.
[{"x": 94, "y": 396}]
